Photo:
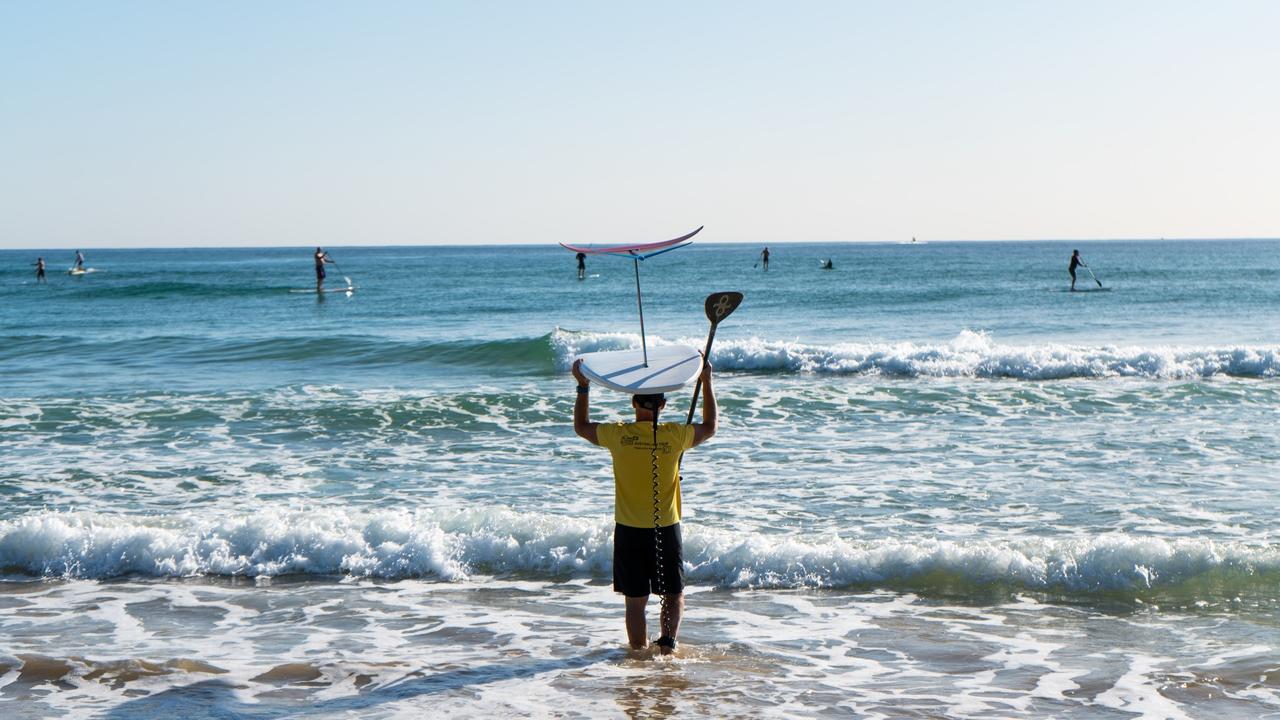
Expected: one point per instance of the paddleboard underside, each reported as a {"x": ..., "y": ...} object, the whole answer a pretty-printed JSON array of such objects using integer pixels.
[{"x": 670, "y": 368}]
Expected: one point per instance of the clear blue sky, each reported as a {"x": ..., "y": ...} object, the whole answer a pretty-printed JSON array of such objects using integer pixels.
[{"x": 302, "y": 123}]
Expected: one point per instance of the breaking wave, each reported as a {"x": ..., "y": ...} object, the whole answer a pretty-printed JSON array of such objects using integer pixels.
[
  {"x": 454, "y": 546},
  {"x": 970, "y": 354}
]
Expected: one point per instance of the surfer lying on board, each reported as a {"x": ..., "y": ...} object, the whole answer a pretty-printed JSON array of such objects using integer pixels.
[
  {"x": 322, "y": 257},
  {"x": 636, "y": 511},
  {"x": 1075, "y": 260}
]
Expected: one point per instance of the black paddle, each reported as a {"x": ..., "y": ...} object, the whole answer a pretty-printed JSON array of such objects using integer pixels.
[
  {"x": 719, "y": 306},
  {"x": 1095, "y": 277}
]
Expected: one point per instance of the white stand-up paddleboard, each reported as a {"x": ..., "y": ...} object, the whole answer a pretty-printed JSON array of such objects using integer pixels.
[{"x": 670, "y": 368}]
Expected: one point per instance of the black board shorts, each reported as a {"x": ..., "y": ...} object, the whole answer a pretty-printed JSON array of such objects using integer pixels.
[
  {"x": 635, "y": 572},
  {"x": 319, "y": 272}
]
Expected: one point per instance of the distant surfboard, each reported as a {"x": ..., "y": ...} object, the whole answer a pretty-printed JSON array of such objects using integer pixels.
[
  {"x": 348, "y": 289},
  {"x": 81, "y": 271},
  {"x": 670, "y": 368}
]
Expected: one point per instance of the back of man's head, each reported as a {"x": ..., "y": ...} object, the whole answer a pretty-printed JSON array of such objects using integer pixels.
[{"x": 651, "y": 402}]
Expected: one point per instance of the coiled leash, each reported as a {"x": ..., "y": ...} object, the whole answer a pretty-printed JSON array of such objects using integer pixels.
[{"x": 666, "y": 637}]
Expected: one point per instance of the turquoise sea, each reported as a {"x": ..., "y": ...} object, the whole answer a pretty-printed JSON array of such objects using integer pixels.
[{"x": 943, "y": 486}]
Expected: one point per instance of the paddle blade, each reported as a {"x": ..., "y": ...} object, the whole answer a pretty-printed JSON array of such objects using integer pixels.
[{"x": 720, "y": 305}]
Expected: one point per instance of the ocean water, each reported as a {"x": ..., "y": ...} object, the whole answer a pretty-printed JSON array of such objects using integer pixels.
[{"x": 943, "y": 485}]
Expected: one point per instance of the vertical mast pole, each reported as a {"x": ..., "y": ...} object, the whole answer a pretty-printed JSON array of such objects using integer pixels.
[{"x": 644, "y": 348}]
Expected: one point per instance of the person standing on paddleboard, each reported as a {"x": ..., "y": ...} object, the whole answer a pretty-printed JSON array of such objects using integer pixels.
[
  {"x": 1075, "y": 260},
  {"x": 582, "y": 266},
  {"x": 40, "y": 278},
  {"x": 322, "y": 257},
  {"x": 79, "y": 260},
  {"x": 636, "y": 455},
  {"x": 764, "y": 258}
]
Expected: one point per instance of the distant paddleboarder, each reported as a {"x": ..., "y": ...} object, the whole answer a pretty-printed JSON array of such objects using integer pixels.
[
  {"x": 1075, "y": 260},
  {"x": 764, "y": 258},
  {"x": 826, "y": 264},
  {"x": 322, "y": 257},
  {"x": 639, "y": 465},
  {"x": 40, "y": 278},
  {"x": 582, "y": 266},
  {"x": 79, "y": 260}
]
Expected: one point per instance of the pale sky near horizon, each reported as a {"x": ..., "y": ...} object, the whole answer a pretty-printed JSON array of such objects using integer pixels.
[{"x": 325, "y": 123}]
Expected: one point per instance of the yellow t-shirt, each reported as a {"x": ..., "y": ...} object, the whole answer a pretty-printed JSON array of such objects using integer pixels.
[{"x": 631, "y": 445}]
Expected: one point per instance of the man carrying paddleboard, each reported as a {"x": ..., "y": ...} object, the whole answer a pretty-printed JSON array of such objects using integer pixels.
[
  {"x": 322, "y": 257},
  {"x": 646, "y": 465}
]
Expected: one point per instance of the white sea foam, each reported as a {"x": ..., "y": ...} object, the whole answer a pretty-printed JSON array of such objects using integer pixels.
[
  {"x": 969, "y": 354},
  {"x": 455, "y": 545}
]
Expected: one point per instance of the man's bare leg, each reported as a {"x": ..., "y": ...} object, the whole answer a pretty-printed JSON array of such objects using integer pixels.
[
  {"x": 637, "y": 634},
  {"x": 675, "y": 611}
]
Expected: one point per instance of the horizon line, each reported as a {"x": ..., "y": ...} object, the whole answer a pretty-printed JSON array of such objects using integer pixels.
[{"x": 929, "y": 241}]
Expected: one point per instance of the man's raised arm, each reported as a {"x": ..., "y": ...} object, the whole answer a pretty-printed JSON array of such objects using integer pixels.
[
  {"x": 705, "y": 429},
  {"x": 582, "y": 407}
]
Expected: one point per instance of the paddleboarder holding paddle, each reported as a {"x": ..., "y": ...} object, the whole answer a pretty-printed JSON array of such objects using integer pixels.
[
  {"x": 647, "y": 552},
  {"x": 1075, "y": 261},
  {"x": 322, "y": 257}
]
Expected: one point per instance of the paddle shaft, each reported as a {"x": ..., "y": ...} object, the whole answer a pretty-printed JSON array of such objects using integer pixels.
[
  {"x": 1095, "y": 277},
  {"x": 338, "y": 267},
  {"x": 697, "y": 387}
]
